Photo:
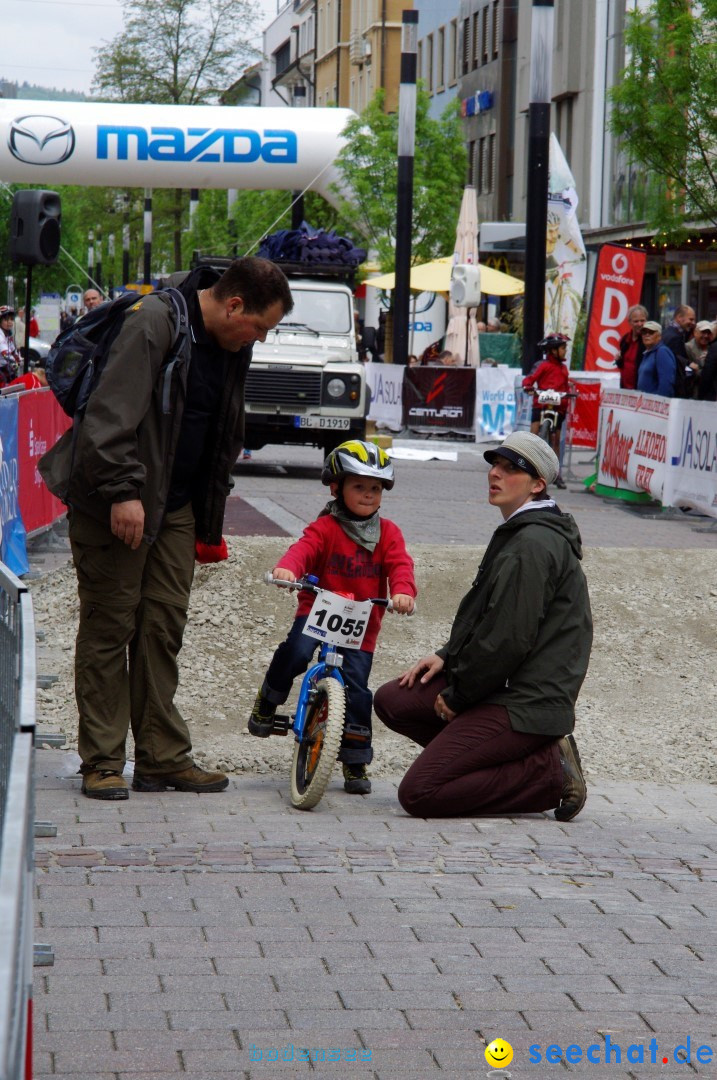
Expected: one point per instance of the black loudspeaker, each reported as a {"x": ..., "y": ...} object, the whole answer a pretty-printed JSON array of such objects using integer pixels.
[{"x": 35, "y": 227}]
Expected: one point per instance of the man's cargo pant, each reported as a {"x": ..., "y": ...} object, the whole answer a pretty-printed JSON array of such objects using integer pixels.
[{"x": 133, "y": 610}]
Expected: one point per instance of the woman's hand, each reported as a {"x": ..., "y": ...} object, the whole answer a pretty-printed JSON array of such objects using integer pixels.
[
  {"x": 442, "y": 710},
  {"x": 431, "y": 665}
]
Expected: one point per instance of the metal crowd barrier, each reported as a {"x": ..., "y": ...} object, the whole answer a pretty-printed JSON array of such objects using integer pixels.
[{"x": 17, "y": 808}]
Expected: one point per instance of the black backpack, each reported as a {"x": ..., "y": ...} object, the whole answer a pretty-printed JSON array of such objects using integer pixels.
[{"x": 79, "y": 354}]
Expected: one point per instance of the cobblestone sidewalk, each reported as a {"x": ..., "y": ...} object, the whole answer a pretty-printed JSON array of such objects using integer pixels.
[{"x": 228, "y": 935}]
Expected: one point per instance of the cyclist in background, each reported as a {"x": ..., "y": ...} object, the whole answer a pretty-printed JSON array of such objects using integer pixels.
[
  {"x": 550, "y": 374},
  {"x": 351, "y": 551}
]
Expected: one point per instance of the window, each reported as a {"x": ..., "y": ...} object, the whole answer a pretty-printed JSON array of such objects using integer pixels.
[
  {"x": 466, "y": 58},
  {"x": 441, "y": 58},
  {"x": 471, "y": 163},
  {"x": 476, "y": 40},
  {"x": 491, "y": 164},
  {"x": 282, "y": 58},
  {"x": 419, "y": 61},
  {"x": 453, "y": 59},
  {"x": 429, "y": 63},
  {"x": 496, "y": 28},
  {"x": 486, "y": 39}
]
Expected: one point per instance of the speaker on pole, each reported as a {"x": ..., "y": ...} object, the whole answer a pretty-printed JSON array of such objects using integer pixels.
[
  {"x": 465, "y": 285},
  {"x": 35, "y": 227}
]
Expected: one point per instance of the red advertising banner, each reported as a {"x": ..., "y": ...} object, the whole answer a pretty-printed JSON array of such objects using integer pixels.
[
  {"x": 41, "y": 421},
  {"x": 585, "y": 414},
  {"x": 439, "y": 397},
  {"x": 617, "y": 287}
]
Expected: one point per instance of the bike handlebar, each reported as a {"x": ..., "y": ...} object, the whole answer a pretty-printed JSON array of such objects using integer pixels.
[{"x": 302, "y": 583}]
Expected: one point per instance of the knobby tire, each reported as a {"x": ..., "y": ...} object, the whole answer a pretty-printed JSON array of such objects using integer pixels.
[
  {"x": 315, "y": 756},
  {"x": 544, "y": 431}
]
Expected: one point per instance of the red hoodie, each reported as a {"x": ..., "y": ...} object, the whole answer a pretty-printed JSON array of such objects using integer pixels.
[
  {"x": 343, "y": 566},
  {"x": 549, "y": 375}
]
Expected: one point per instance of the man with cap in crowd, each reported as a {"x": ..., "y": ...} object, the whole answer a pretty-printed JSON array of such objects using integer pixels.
[
  {"x": 658, "y": 370},
  {"x": 494, "y": 708},
  {"x": 697, "y": 349}
]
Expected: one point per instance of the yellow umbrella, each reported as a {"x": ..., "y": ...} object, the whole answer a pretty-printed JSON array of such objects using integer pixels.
[{"x": 436, "y": 277}]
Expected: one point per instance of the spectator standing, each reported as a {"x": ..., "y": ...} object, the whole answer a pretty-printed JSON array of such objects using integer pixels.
[
  {"x": 92, "y": 299},
  {"x": 675, "y": 337},
  {"x": 697, "y": 348},
  {"x": 145, "y": 475},
  {"x": 631, "y": 349},
  {"x": 10, "y": 359},
  {"x": 34, "y": 325},
  {"x": 657, "y": 374},
  {"x": 707, "y": 389}
]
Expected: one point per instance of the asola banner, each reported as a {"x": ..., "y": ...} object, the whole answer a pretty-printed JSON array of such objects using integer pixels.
[{"x": 617, "y": 287}]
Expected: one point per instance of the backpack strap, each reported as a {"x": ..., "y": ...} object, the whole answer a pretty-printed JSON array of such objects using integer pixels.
[{"x": 180, "y": 351}]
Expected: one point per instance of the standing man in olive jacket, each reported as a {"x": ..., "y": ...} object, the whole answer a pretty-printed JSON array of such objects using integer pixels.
[
  {"x": 495, "y": 707},
  {"x": 145, "y": 474}
]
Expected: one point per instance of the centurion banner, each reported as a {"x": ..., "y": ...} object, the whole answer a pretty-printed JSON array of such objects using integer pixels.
[{"x": 617, "y": 288}]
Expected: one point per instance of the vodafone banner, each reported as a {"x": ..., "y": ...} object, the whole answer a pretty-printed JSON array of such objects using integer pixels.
[
  {"x": 617, "y": 287},
  {"x": 633, "y": 444}
]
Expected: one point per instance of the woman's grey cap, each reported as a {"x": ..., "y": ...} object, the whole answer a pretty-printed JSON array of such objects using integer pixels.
[{"x": 530, "y": 453}]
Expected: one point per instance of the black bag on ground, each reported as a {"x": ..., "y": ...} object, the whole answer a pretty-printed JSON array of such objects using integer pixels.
[{"x": 78, "y": 355}]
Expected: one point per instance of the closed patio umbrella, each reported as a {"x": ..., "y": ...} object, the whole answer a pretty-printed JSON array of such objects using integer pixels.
[{"x": 462, "y": 322}]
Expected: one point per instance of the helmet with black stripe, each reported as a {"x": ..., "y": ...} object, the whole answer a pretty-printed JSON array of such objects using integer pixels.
[{"x": 357, "y": 458}]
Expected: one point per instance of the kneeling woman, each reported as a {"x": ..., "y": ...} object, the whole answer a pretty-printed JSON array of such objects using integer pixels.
[{"x": 495, "y": 707}]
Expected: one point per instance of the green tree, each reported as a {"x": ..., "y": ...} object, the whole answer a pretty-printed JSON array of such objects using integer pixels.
[
  {"x": 664, "y": 111},
  {"x": 368, "y": 166},
  {"x": 178, "y": 52}
]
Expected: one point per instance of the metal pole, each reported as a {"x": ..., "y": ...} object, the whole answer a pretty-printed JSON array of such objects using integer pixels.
[
  {"x": 193, "y": 204},
  {"x": 111, "y": 260},
  {"x": 90, "y": 259},
  {"x": 404, "y": 202},
  {"x": 125, "y": 242},
  {"x": 232, "y": 194},
  {"x": 541, "y": 52},
  {"x": 147, "y": 276},
  {"x": 98, "y": 275},
  {"x": 28, "y": 301}
]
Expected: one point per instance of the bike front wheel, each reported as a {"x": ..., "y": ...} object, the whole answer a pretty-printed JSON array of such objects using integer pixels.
[
  {"x": 315, "y": 755},
  {"x": 545, "y": 431}
]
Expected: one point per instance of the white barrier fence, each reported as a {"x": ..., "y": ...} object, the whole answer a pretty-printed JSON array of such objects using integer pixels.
[{"x": 658, "y": 448}]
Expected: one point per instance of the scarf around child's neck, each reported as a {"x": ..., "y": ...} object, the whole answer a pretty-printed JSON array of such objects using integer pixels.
[{"x": 366, "y": 531}]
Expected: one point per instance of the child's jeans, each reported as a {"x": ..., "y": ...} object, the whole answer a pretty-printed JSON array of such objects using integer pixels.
[{"x": 293, "y": 657}]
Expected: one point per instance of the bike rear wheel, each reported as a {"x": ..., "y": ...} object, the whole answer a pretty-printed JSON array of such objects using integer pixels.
[{"x": 315, "y": 755}]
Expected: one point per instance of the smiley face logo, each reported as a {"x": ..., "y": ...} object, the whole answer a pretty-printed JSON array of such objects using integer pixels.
[{"x": 499, "y": 1053}]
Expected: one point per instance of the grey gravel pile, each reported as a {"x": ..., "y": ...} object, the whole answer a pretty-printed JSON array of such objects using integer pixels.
[{"x": 647, "y": 709}]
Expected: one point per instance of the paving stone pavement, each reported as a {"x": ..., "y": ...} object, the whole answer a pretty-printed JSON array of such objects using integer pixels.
[{"x": 232, "y": 936}]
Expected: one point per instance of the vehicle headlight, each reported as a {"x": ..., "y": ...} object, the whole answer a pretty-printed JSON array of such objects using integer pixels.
[{"x": 336, "y": 388}]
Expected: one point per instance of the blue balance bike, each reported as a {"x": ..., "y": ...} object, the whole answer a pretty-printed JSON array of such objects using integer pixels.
[{"x": 318, "y": 722}]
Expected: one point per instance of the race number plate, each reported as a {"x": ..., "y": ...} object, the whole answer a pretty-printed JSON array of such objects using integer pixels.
[
  {"x": 325, "y": 423},
  {"x": 337, "y": 621}
]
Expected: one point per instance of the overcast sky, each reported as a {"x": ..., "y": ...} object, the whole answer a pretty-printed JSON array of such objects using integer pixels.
[{"x": 50, "y": 42}]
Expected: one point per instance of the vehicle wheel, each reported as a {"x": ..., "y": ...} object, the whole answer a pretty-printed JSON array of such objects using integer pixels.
[
  {"x": 315, "y": 756},
  {"x": 544, "y": 431},
  {"x": 32, "y": 356}
]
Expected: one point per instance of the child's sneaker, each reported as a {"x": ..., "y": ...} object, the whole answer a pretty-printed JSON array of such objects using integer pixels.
[
  {"x": 356, "y": 780},
  {"x": 261, "y": 721}
]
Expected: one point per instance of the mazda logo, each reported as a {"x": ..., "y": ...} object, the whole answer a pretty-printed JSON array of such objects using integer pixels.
[{"x": 41, "y": 140}]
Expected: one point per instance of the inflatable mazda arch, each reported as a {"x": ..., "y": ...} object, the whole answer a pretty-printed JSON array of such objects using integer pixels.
[{"x": 190, "y": 146}]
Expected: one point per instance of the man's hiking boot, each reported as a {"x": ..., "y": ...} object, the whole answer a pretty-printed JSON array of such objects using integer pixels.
[
  {"x": 575, "y": 791},
  {"x": 356, "y": 780},
  {"x": 560, "y": 483},
  {"x": 104, "y": 784},
  {"x": 261, "y": 721},
  {"x": 190, "y": 779}
]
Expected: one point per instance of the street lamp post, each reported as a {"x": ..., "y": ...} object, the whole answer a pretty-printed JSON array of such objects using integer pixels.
[
  {"x": 541, "y": 51},
  {"x": 404, "y": 203}
]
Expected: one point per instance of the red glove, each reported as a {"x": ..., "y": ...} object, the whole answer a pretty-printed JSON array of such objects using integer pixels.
[{"x": 208, "y": 553}]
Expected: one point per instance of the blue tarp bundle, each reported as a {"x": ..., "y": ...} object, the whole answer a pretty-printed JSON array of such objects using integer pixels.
[{"x": 313, "y": 247}]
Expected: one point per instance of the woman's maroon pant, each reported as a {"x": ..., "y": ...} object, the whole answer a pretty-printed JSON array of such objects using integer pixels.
[{"x": 476, "y": 764}]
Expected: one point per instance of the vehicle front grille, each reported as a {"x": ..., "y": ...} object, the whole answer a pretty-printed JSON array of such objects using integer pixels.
[{"x": 287, "y": 389}]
